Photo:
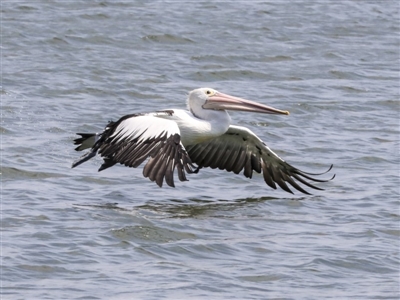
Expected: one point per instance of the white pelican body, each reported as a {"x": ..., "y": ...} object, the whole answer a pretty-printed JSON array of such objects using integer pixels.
[
  {"x": 202, "y": 135},
  {"x": 194, "y": 130}
]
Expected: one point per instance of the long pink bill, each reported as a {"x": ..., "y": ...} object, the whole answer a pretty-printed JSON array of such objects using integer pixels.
[{"x": 220, "y": 101}]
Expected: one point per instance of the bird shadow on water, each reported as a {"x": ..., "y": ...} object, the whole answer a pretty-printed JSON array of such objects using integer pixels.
[
  {"x": 191, "y": 208},
  {"x": 153, "y": 221}
]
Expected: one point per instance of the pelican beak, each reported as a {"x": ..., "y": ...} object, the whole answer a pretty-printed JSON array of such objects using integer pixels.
[{"x": 220, "y": 101}]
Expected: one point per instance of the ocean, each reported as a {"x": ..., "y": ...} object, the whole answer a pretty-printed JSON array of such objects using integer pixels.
[{"x": 72, "y": 66}]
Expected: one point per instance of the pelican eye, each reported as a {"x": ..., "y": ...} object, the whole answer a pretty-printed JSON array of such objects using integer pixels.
[{"x": 208, "y": 92}]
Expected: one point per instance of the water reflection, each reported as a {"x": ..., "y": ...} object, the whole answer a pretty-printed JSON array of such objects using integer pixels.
[{"x": 189, "y": 208}]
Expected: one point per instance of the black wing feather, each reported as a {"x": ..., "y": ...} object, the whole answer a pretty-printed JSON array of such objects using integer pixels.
[
  {"x": 240, "y": 149},
  {"x": 130, "y": 143}
]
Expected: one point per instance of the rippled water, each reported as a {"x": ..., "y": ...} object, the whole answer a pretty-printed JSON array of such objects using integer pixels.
[{"x": 71, "y": 66}]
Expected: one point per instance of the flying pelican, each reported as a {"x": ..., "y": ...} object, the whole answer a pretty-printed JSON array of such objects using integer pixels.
[{"x": 189, "y": 140}]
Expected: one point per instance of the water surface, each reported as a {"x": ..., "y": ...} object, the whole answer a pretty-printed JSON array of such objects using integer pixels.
[{"x": 71, "y": 66}]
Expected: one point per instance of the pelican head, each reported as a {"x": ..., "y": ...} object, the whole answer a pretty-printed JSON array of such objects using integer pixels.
[{"x": 210, "y": 99}]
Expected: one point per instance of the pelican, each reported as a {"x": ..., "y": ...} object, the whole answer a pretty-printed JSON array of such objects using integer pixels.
[{"x": 188, "y": 140}]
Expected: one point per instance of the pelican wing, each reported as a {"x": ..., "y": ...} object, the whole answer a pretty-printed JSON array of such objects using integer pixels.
[
  {"x": 240, "y": 149},
  {"x": 134, "y": 138}
]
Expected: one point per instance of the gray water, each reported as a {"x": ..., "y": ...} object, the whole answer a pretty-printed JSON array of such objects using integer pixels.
[{"x": 71, "y": 66}]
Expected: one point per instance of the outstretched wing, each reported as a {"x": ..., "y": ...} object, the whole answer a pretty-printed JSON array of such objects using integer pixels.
[
  {"x": 240, "y": 149},
  {"x": 134, "y": 138}
]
